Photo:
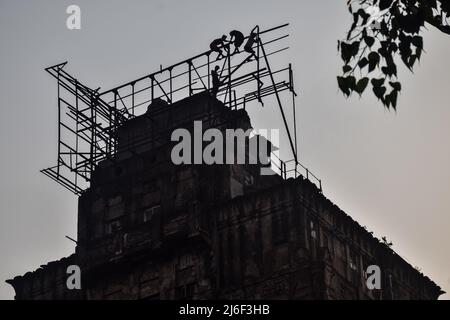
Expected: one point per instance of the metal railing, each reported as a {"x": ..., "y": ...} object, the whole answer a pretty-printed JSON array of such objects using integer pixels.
[{"x": 291, "y": 169}]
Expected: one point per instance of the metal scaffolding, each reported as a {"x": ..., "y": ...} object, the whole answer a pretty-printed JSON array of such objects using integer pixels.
[{"x": 88, "y": 119}]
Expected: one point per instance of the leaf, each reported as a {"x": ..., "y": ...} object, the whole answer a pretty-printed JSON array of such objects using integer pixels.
[
  {"x": 347, "y": 84},
  {"x": 418, "y": 53},
  {"x": 346, "y": 54},
  {"x": 348, "y": 51},
  {"x": 369, "y": 41},
  {"x": 417, "y": 41},
  {"x": 396, "y": 85},
  {"x": 347, "y": 68},
  {"x": 392, "y": 47},
  {"x": 412, "y": 61},
  {"x": 377, "y": 82},
  {"x": 351, "y": 80},
  {"x": 362, "y": 85},
  {"x": 364, "y": 15},
  {"x": 391, "y": 99},
  {"x": 379, "y": 92},
  {"x": 405, "y": 49},
  {"x": 390, "y": 70},
  {"x": 363, "y": 62},
  {"x": 374, "y": 60},
  {"x": 354, "y": 48},
  {"x": 343, "y": 85}
]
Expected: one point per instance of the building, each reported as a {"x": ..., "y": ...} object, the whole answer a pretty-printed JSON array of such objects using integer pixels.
[{"x": 149, "y": 229}]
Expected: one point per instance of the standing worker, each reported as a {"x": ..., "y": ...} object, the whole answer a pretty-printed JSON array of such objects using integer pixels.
[{"x": 215, "y": 80}]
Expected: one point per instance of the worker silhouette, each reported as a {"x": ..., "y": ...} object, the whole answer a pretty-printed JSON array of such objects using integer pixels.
[
  {"x": 237, "y": 38},
  {"x": 250, "y": 42},
  {"x": 215, "y": 81},
  {"x": 217, "y": 45}
]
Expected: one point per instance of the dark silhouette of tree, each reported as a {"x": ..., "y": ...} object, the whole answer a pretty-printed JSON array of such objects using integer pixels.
[{"x": 383, "y": 30}]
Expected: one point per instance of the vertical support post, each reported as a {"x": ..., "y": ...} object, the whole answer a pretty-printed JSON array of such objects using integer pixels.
[
  {"x": 257, "y": 65},
  {"x": 190, "y": 78},
  {"x": 132, "y": 98},
  {"x": 209, "y": 72},
  {"x": 170, "y": 84},
  {"x": 59, "y": 124},
  {"x": 110, "y": 127},
  {"x": 291, "y": 85},
  {"x": 281, "y": 167},
  {"x": 115, "y": 126},
  {"x": 152, "y": 88},
  {"x": 230, "y": 97},
  {"x": 92, "y": 152},
  {"x": 76, "y": 130},
  {"x": 96, "y": 137}
]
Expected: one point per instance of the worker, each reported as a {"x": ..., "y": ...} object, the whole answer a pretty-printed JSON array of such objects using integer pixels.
[
  {"x": 217, "y": 46},
  {"x": 215, "y": 80},
  {"x": 237, "y": 38},
  {"x": 250, "y": 42}
]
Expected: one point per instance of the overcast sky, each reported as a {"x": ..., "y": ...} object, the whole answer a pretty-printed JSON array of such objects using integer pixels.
[{"x": 389, "y": 171}]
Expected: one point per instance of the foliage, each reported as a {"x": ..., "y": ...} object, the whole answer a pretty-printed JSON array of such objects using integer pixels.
[{"x": 381, "y": 32}]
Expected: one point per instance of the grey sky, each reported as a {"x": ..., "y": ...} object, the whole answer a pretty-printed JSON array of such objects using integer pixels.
[{"x": 389, "y": 171}]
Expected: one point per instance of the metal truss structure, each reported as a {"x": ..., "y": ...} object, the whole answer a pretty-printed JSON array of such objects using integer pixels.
[{"x": 88, "y": 119}]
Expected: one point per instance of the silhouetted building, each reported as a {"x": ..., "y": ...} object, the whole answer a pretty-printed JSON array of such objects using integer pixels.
[{"x": 149, "y": 229}]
